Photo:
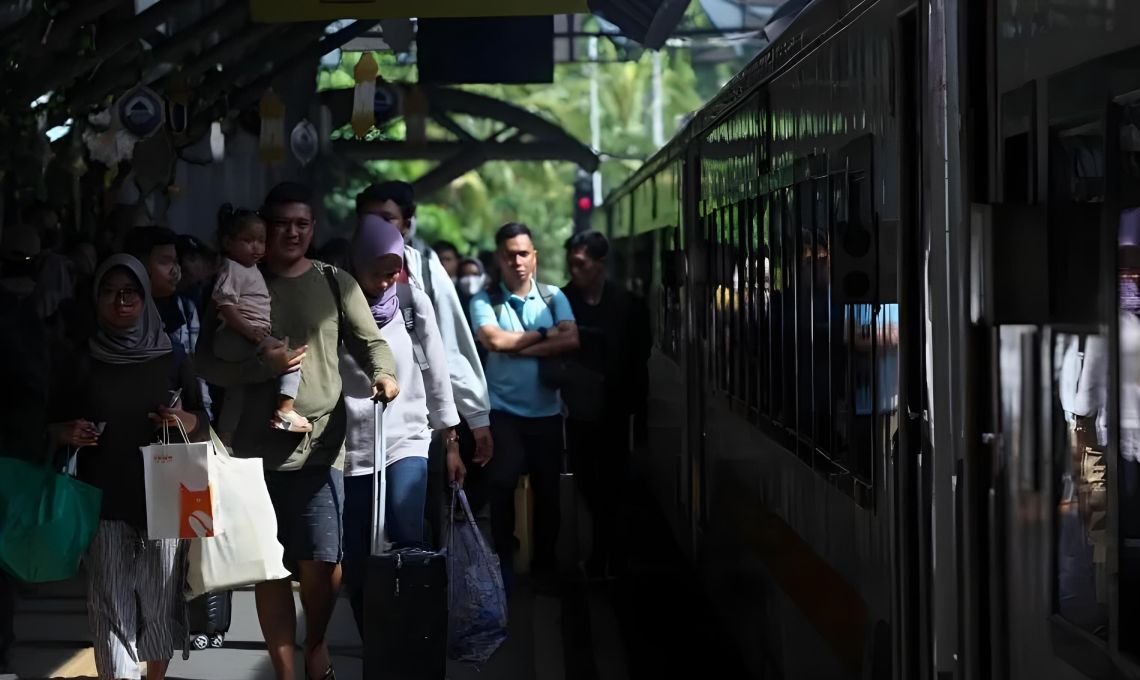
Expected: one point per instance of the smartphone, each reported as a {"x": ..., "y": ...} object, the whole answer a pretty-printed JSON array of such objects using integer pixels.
[
  {"x": 99, "y": 428},
  {"x": 175, "y": 395}
]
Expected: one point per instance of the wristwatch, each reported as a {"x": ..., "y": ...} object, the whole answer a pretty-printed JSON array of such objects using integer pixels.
[{"x": 542, "y": 333}]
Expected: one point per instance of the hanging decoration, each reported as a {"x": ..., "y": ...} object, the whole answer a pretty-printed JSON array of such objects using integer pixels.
[
  {"x": 217, "y": 142},
  {"x": 141, "y": 111},
  {"x": 272, "y": 144},
  {"x": 363, "y": 101},
  {"x": 178, "y": 106},
  {"x": 415, "y": 115},
  {"x": 107, "y": 142},
  {"x": 304, "y": 142}
]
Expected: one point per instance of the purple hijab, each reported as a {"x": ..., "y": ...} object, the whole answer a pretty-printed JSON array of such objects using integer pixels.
[{"x": 377, "y": 237}]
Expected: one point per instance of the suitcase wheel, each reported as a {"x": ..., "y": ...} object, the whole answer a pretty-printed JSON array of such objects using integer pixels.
[
  {"x": 217, "y": 640},
  {"x": 200, "y": 642}
]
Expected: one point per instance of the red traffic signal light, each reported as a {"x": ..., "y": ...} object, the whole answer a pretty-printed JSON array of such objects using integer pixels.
[{"x": 585, "y": 203}]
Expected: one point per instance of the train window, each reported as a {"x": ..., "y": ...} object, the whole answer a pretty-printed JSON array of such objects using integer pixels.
[
  {"x": 805, "y": 270},
  {"x": 1128, "y": 395},
  {"x": 821, "y": 318},
  {"x": 860, "y": 319},
  {"x": 754, "y": 298},
  {"x": 776, "y": 306},
  {"x": 790, "y": 240},
  {"x": 842, "y": 401},
  {"x": 762, "y": 268}
]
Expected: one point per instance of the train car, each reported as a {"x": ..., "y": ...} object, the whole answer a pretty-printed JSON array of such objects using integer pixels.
[{"x": 893, "y": 274}]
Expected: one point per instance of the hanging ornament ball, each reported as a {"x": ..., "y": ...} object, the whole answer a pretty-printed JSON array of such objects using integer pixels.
[
  {"x": 141, "y": 111},
  {"x": 304, "y": 142}
]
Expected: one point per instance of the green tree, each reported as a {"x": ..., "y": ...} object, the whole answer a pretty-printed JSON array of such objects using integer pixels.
[{"x": 539, "y": 194}]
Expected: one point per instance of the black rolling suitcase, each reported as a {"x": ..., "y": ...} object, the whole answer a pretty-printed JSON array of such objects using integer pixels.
[
  {"x": 208, "y": 619},
  {"x": 405, "y": 598}
]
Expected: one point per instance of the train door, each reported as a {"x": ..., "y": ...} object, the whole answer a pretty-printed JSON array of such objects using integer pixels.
[
  {"x": 1054, "y": 275},
  {"x": 909, "y": 470}
]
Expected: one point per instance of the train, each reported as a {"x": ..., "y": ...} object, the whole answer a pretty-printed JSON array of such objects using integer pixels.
[{"x": 894, "y": 406}]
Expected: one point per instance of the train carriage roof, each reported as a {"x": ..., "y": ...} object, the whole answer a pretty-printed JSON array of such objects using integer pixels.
[{"x": 810, "y": 22}]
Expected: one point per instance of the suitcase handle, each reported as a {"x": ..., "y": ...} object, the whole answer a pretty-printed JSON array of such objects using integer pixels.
[{"x": 379, "y": 480}]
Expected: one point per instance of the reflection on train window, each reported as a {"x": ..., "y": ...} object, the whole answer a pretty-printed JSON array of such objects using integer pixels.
[
  {"x": 1081, "y": 375},
  {"x": 776, "y": 307},
  {"x": 763, "y": 269},
  {"x": 791, "y": 256},
  {"x": 805, "y": 267},
  {"x": 821, "y": 318},
  {"x": 1128, "y": 289}
]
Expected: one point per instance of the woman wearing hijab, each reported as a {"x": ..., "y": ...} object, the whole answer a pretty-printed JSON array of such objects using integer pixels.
[
  {"x": 425, "y": 405},
  {"x": 120, "y": 395}
]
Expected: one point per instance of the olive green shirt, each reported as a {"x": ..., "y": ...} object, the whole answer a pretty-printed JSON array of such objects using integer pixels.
[{"x": 305, "y": 312}]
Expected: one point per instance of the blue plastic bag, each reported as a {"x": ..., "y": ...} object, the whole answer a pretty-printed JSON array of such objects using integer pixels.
[
  {"x": 47, "y": 521},
  {"x": 477, "y": 601}
]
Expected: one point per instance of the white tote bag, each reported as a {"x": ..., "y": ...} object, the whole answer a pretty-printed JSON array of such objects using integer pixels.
[
  {"x": 247, "y": 551},
  {"x": 180, "y": 502}
]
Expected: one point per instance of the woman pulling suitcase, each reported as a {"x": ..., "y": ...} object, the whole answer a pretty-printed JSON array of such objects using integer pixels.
[{"x": 425, "y": 405}]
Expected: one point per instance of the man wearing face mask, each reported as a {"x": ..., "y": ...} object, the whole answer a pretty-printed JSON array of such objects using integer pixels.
[
  {"x": 395, "y": 202},
  {"x": 470, "y": 281}
]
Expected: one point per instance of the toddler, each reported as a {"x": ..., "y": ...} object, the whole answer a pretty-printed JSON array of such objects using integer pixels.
[{"x": 242, "y": 299}]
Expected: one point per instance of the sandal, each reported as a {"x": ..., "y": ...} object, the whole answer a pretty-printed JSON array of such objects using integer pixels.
[
  {"x": 330, "y": 674},
  {"x": 291, "y": 421}
]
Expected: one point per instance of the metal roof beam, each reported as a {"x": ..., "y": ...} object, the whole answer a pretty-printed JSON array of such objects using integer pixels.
[
  {"x": 65, "y": 69},
  {"x": 539, "y": 150},
  {"x": 115, "y": 82}
]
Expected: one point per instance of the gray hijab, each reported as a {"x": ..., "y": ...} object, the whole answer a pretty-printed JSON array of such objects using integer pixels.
[{"x": 143, "y": 341}]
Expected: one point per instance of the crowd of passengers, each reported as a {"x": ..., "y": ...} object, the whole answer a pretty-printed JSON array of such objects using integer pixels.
[{"x": 283, "y": 351}]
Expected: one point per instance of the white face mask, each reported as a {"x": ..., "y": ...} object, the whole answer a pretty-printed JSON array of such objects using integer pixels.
[{"x": 470, "y": 285}]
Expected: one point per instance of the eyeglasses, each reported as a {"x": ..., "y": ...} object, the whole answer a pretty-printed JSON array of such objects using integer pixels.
[{"x": 124, "y": 296}]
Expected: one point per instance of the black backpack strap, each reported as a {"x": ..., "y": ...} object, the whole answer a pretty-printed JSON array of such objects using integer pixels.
[
  {"x": 408, "y": 311},
  {"x": 334, "y": 287}
]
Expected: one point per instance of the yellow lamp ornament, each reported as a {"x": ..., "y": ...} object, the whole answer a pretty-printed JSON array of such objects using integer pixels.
[
  {"x": 415, "y": 115},
  {"x": 364, "y": 96},
  {"x": 271, "y": 146}
]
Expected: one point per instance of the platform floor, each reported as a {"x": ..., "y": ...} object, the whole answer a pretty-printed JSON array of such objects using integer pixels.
[{"x": 649, "y": 623}]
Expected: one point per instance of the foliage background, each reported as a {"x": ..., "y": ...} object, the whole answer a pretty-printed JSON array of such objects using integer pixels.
[{"x": 539, "y": 194}]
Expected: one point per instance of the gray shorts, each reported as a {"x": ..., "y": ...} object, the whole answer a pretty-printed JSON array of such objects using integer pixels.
[
  {"x": 132, "y": 595},
  {"x": 309, "y": 504}
]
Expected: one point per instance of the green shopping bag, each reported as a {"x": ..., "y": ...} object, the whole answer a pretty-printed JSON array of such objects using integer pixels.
[{"x": 47, "y": 521}]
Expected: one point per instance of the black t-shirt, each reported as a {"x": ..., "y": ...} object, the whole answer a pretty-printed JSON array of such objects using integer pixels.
[{"x": 613, "y": 342}]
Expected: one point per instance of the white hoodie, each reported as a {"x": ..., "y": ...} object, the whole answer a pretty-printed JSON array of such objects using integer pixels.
[
  {"x": 468, "y": 384},
  {"x": 424, "y": 404}
]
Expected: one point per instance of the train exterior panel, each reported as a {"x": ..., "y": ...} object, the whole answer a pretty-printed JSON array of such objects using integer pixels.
[{"x": 872, "y": 261}]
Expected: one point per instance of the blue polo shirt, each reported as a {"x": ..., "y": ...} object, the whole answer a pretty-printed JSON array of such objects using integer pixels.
[{"x": 513, "y": 380}]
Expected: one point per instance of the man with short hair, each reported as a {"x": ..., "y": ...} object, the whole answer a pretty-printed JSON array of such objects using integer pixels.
[
  {"x": 395, "y": 202},
  {"x": 519, "y": 323},
  {"x": 316, "y": 306},
  {"x": 157, "y": 248},
  {"x": 613, "y": 328},
  {"x": 448, "y": 257}
]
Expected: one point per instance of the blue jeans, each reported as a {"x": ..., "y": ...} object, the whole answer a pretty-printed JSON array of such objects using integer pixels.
[{"x": 404, "y": 519}]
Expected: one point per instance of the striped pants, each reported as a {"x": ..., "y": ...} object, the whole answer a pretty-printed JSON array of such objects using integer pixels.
[{"x": 132, "y": 592}]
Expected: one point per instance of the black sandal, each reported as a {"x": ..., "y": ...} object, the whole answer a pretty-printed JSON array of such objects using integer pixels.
[{"x": 330, "y": 674}]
